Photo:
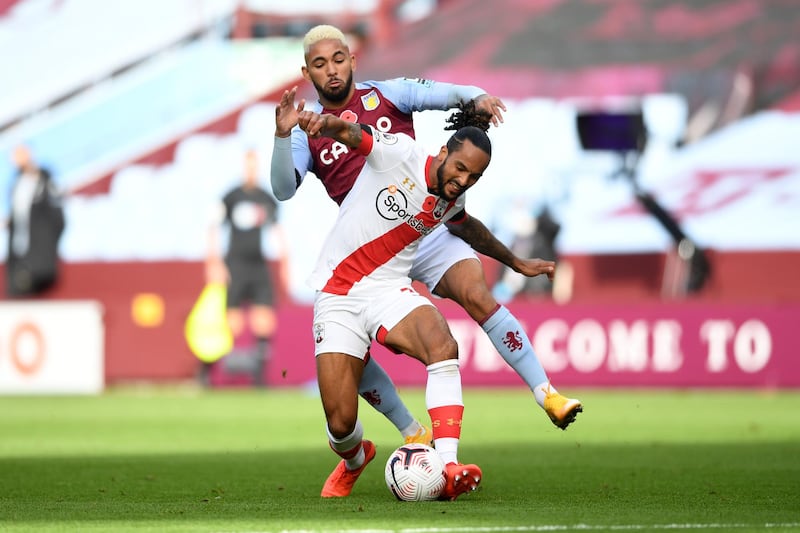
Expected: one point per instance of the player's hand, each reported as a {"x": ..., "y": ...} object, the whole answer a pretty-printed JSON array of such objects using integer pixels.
[
  {"x": 286, "y": 113},
  {"x": 534, "y": 267},
  {"x": 312, "y": 123},
  {"x": 490, "y": 106}
]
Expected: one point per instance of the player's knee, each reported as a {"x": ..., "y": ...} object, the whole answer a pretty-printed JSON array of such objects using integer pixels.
[
  {"x": 341, "y": 426},
  {"x": 476, "y": 299},
  {"x": 446, "y": 348}
]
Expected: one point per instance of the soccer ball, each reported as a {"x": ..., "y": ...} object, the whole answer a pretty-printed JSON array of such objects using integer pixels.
[{"x": 415, "y": 472}]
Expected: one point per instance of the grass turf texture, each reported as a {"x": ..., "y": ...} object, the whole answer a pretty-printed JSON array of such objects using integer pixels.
[{"x": 180, "y": 459}]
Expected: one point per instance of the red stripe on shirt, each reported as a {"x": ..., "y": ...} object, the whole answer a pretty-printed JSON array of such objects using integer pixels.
[{"x": 368, "y": 257}]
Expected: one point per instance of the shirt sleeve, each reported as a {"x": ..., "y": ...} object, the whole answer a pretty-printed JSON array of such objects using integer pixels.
[
  {"x": 389, "y": 150},
  {"x": 416, "y": 94},
  {"x": 459, "y": 217},
  {"x": 283, "y": 176}
]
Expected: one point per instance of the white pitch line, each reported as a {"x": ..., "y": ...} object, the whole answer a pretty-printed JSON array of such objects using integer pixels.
[{"x": 551, "y": 527}]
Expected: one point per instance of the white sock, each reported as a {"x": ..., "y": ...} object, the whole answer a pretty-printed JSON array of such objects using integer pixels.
[
  {"x": 411, "y": 430},
  {"x": 541, "y": 390},
  {"x": 349, "y": 448}
]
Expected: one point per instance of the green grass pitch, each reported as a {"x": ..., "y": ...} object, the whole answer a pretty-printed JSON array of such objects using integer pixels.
[{"x": 183, "y": 459}]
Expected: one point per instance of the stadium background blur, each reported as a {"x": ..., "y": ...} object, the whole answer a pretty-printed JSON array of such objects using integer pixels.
[{"x": 142, "y": 110}]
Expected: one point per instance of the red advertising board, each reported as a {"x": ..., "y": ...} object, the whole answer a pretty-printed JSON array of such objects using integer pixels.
[{"x": 647, "y": 344}]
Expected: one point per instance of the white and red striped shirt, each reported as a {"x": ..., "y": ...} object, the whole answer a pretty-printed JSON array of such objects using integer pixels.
[{"x": 375, "y": 237}]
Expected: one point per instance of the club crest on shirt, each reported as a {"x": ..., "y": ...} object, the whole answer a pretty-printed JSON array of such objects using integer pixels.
[
  {"x": 370, "y": 100},
  {"x": 441, "y": 207},
  {"x": 319, "y": 332}
]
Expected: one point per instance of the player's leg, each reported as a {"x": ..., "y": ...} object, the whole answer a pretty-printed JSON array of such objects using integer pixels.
[
  {"x": 423, "y": 333},
  {"x": 263, "y": 320},
  {"x": 235, "y": 298},
  {"x": 450, "y": 269},
  {"x": 338, "y": 376},
  {"x": 339, "y": 369},
  {"x": 379, "y": 391}
]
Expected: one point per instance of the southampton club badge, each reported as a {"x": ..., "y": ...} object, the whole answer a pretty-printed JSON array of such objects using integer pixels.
[
  {"x": 441, "y": 207},
  {"x": 319, "y": 332}
]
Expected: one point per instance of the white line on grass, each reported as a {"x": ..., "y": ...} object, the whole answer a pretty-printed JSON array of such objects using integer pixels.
[{"x": 553, "y": 527}]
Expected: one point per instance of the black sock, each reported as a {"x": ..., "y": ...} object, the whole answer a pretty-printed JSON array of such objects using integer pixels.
[{"x": 261, "y": 357}]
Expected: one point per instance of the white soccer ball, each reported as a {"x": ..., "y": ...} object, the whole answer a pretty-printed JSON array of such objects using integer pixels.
[{"x": 415, "y": 472}]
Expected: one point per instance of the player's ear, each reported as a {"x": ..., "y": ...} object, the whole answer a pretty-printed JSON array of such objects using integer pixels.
[
  {"x": 442, "y": 154},
  {"x": 353, "y": 62},
  {"x": 304, "y": 71}
]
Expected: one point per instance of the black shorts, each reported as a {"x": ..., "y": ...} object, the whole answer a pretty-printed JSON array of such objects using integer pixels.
[{"x": 250, "y": 283}]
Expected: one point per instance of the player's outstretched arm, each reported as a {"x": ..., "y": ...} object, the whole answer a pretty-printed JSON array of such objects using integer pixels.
[
  {"x": 283, "y": 176},
  {"x": 316, "y": 125},
  {"x": 477, "y": 235}
]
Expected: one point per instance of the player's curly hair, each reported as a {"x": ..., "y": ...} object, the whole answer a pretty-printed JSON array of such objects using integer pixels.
[
  {"x": 469, "y": 124},
  {"x": 468, "y": 115}
]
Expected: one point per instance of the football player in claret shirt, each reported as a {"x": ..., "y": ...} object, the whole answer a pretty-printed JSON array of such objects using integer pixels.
[{"x": 445, "y": 263}]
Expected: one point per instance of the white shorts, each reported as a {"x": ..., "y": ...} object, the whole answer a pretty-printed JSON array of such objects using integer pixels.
[
  {"x": 437, "y": 252},
  {"x": 348, "y": 324}
]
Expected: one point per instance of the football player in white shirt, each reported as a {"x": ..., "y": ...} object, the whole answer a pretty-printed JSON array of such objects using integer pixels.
[{"x": 365, "y": 292}]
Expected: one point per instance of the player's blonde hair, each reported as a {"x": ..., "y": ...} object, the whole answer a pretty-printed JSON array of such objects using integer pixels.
[{"x": 321, "y": 32}]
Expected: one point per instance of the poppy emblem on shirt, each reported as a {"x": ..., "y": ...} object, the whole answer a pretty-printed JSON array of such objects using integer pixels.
[
  {"x": 429, "y": 204},
  {"x": 370, "y": 101},
  {"x": 349, "y": 116}
]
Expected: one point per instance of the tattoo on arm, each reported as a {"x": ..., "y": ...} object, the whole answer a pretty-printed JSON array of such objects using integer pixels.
[
  {"x": 353, "y": 135},
  {"x": 478, "y": 236},
  {"x": 345, "y": 132}
]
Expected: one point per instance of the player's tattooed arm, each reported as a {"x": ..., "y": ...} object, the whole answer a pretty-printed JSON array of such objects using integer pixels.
[
  {"x": 478, "y": 236},
  {"x": 317, "y": 125}
]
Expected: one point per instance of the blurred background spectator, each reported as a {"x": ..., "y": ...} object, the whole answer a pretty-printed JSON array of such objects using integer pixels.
[
  {"x": 253, "y": 234},
  {"x": 34, "y": 228}
]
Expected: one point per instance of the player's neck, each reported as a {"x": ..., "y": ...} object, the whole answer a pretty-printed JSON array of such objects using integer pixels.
[{"x": 430, "y": 175}]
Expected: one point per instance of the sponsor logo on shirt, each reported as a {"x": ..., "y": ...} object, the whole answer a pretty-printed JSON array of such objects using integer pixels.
[
  {"x": 248, "y": 215},
  {"x": 337, "y": 150},
  {"x": 392, "y": 204}
]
